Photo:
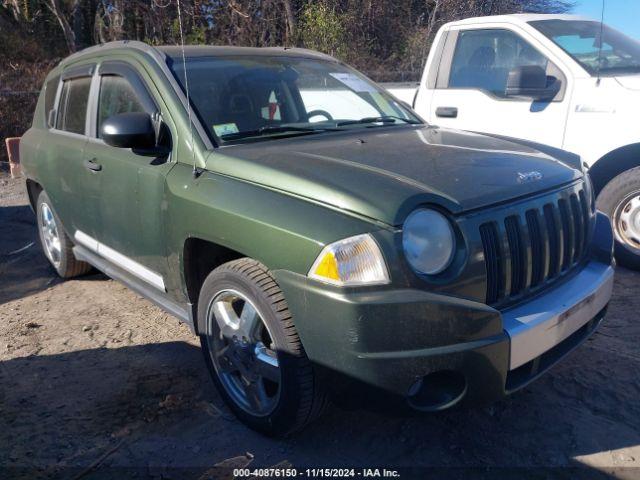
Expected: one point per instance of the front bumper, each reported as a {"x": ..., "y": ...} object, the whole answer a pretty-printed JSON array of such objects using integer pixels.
[
  {"x": 533, "y": 330},
  {"x": 392, "y": 340}
]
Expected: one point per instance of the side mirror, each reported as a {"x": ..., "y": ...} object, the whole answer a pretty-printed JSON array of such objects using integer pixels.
[
  {"x": 531, "y": 81},
  {"x": 129, "y": 130}
]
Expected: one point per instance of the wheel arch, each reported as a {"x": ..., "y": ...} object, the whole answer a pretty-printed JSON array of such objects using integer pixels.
[
  {"x": 613, "y": 164},
  {"x": 199, "y": 258},
  {"x": 33, "y": 190}
]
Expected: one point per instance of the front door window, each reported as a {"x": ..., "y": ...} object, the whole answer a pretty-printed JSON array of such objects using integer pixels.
[
  {"x": 116, "y": 96},
  {"x": 484, "y": 58}
]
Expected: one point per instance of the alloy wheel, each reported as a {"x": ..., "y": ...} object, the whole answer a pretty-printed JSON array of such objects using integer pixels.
[
  {"x": 243, "y": 353},
  {"x": 50, "y": 235}
]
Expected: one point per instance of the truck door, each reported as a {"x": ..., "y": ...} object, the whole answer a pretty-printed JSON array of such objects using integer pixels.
[
  {"x": 72, "y": 187},
  {"x": 131, "y": 233},
  {"x": 469, "y": 91}
]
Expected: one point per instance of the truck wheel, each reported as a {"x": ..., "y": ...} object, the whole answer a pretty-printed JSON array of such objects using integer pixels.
[
  {"x": 620, "y": 199},
  {"x": 55, "y": 243},
  {"x": 253, "y": 351}
]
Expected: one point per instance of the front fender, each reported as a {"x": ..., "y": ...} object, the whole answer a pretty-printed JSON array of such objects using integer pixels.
[{"x": 279, "y": 230}]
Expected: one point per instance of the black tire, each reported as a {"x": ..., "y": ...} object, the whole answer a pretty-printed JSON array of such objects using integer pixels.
[
  {"x": 611, "y": 200},
  {"x": 301, "y": 399},
  {"x": 67, "y": 265}
]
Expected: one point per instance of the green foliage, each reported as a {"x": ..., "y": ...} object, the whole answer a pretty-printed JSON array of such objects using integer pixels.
[
  {"x": 197, "y": 35},
  {"x": 322, "y": 29},
  {"x": 414, "y": 50}
]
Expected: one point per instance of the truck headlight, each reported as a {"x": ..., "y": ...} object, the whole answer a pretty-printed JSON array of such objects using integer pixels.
[
  {"x": 429, "y": 241},
  {"x": 350, "y": 262}
]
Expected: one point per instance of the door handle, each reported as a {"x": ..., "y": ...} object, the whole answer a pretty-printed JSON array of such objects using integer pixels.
[
  {"x": 93, "y": 165},
  {"x": 447, "y": 112}
]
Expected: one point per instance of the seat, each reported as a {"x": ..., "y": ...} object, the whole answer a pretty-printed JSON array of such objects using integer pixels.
[{"x": 475, "y": 74}]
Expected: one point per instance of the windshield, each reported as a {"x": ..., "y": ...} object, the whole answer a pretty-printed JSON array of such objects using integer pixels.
[
  {"x": 238, "y": 98},
  {"x": 581, "y": 39}
]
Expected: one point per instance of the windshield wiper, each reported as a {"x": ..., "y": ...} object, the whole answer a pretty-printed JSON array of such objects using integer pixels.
[
  {"x": 271, "y": 129},
  {"x": 381, "y": 119}
]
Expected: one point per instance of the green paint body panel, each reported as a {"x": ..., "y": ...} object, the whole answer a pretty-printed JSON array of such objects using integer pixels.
[
  {"x": 281, "y": 202},
  {"x": 280, "y": 231},
  {"x": 391, "y": 337}
]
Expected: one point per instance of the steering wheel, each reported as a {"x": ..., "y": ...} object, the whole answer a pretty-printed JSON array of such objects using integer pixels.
[{"x": 324, "y": 113}]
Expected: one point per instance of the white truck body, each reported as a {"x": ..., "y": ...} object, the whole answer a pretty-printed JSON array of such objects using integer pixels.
[
  {"x": 594, "y": 118},
  {"x": 594, "y": 114}
]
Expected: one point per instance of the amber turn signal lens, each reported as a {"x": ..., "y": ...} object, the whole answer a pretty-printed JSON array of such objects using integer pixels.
[{"x": 350, "y": 262}]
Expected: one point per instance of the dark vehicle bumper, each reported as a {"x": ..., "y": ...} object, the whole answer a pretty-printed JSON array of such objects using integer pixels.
[{"x": 437, "y": 351}]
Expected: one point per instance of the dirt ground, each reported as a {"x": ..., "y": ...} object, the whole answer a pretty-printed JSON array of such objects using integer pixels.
[{"x": 92, "y": 375}]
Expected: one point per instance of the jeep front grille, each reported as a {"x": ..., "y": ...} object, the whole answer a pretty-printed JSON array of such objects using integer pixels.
[{"x": 524, "y": 252}]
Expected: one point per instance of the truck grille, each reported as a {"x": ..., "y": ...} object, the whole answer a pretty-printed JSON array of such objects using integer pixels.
[{"x": 524, "y": 252}]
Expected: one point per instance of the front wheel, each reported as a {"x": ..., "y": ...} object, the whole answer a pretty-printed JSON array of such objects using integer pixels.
[
  {"x": 253, "y": 351},
  {"x": 620, "y": 200}
]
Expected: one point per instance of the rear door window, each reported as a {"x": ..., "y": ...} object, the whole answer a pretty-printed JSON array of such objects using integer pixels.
[{"x": 74, "y": 99}]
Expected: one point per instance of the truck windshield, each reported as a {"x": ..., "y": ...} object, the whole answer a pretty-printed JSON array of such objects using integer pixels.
[
  {"x": 582, "y": 40},
  {"x": 240, "y": 98}
]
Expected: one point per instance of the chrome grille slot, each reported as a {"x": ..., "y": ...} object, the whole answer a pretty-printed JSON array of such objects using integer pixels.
[
  {"x": 555, "y": 239},
  {"x": 578, "y": 228},
  {"x": 518, "y": 259},
  {"x": 538, "y": 251},
  {"x": 493, "y": 259},
  {"x": 528, "y": 251},
  {"x": 568, "y": 234},
  {"x": 584, "y": 210}
]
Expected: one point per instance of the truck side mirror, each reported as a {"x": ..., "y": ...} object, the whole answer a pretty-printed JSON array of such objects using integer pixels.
[
  {"x": 531, "y": 81},
  {"x": 129, "y": 130}
]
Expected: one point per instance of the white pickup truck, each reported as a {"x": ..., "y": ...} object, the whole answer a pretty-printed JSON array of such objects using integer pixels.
[{"x": 550, "y": 79}]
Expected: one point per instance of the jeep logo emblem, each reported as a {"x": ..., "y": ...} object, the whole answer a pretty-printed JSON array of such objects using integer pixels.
[{"x": 528, "y": 177}]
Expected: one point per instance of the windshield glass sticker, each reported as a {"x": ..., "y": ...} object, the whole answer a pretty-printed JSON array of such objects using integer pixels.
[
  {"x": 223, "y": 129},
  {"x": 354, "y": 82}
]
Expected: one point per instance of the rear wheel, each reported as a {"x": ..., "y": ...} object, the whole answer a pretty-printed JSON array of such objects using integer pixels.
[
  {"x": 253, "y": 351},
  {"x": 620, "y": 199},
  {"x": 55, "y": 243}
]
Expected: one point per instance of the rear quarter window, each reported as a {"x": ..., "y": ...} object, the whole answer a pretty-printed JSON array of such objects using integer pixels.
[
  {"x": 50, "y": 90},
  {"x": 72, "y": 110}
]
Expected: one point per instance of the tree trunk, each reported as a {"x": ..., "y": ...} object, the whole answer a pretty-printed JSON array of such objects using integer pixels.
[
  {"x": 291, "y": 22},
  {"x": 67, "y": 31},
  {"x": 432, "y": 17},
  {"x": 17, "y": 12}
]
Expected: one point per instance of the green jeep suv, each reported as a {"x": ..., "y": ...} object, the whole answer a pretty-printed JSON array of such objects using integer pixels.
[{"x": 318, "y": 236}]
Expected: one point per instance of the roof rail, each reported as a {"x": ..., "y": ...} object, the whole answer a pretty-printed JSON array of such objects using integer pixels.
[{"x": 135, "y": 44}]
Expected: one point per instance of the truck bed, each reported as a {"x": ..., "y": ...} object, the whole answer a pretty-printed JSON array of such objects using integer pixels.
[{"x": 404, "y": 91}]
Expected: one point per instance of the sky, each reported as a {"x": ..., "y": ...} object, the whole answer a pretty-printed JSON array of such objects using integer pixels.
[{"x": 623, "y": 15}]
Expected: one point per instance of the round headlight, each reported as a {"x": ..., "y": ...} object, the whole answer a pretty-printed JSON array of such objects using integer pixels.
[{"x": 429, "y": 241}]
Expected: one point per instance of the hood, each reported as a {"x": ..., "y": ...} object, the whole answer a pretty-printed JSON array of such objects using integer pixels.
[
  {"x": 631, "y": 82},
  {"x": 386, "y": 172}
]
